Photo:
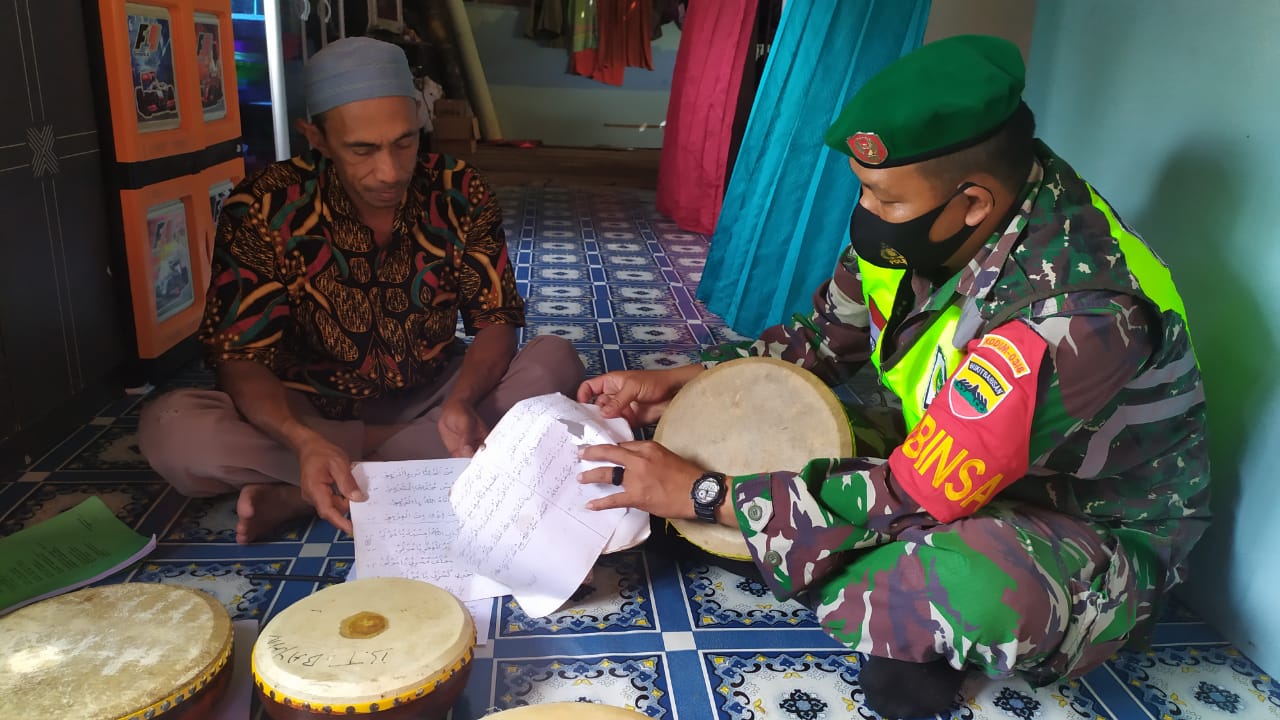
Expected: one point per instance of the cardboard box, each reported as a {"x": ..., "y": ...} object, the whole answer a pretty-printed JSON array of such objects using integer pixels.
[
  {"x": 452, "y": 127},
  {"x": 452, "y": 108}
]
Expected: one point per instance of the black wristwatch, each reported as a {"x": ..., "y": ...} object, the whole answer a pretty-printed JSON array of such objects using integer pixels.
[{"x": 708, "y": 494}]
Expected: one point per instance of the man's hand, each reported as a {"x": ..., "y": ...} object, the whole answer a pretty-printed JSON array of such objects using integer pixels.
[
  {"x": 461, "y": 429},
  {"x": 640, "y": 396},
  {"x": 654, "y": 479},
  {"x": 326, "y": 481}
]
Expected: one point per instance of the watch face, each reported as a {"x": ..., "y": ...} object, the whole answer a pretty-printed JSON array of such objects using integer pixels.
[{"x": 706, "y": 491}]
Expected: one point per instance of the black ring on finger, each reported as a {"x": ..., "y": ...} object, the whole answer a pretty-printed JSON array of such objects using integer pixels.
[{"x": 617, "y": 474}]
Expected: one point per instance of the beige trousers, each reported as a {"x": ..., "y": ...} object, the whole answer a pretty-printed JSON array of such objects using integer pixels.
[{"x": 200, "y": 444}]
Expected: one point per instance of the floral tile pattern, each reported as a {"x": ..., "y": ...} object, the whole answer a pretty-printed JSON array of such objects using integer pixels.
[
  {"x": 616, "y": 599},
  {"x": 637, "y": 683}
]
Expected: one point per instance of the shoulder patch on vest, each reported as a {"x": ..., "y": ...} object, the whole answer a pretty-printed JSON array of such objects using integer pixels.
[{"x": 977, "y": 388}]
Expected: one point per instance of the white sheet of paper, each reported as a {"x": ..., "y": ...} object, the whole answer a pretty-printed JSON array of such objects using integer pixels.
[
  {"x": 482, "y": 614},
  {"x": 521, "y": 510},
  {"x": 406, "y": 526},
  {"x": 235, "y": 703}
]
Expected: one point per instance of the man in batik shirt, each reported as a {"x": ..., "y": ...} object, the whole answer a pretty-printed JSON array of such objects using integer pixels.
[
  {"x": 1053, "y": 475},
  {"x": 338, "y": 281}
]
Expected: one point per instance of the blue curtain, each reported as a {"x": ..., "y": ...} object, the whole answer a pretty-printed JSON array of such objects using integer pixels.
[{"x": 785, "y": 216}]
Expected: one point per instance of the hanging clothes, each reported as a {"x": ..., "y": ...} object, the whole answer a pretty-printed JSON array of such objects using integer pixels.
[
  {"x": 704, "y": 91},
  {"x": 622, "y": 31},
  {"x": 785, "y": 215}
]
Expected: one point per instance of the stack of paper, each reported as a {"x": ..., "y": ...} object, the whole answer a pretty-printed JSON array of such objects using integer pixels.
[{"x": 511, "y": 520}]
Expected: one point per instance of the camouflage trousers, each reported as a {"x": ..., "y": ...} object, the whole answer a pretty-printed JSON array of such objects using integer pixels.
[{"x": 1013, "y": 589}]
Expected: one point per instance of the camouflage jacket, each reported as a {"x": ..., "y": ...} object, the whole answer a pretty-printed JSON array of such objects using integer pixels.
[{"x": 1119, "y": 412}]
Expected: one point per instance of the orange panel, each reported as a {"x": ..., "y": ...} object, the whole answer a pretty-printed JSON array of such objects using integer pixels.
[
  {"x": 150, "y": 67},
  {"x": 168, "y": 266}
]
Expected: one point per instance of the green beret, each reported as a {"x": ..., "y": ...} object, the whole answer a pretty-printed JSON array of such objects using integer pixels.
[{"x": 941, "y": 98}]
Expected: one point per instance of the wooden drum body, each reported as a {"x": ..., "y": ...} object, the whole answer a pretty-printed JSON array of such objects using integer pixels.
[
  {"x": 133, "y": 651},
  {"x": 387, "y": 648},
  {"x": 747, "y": 416}
]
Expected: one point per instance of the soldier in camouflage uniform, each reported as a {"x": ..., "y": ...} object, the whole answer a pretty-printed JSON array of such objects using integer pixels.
[{"x": 1054, "y": 472}]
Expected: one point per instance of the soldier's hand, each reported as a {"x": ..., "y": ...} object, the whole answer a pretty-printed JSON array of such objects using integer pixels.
[
  {"x": 640, "y": 396},
  {"x": 654, "y": 479}
]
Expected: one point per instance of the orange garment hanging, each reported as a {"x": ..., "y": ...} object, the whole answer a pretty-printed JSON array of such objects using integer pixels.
[{"x": 623, "y": 30}]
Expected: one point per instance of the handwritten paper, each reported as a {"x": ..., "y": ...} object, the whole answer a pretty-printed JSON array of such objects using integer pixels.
[
  {"x": 406, "y": 526},
  {"x": 521, "y": 512}
]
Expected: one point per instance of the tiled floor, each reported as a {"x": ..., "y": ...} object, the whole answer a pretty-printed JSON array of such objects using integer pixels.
[{"x": 671, "y": 637}]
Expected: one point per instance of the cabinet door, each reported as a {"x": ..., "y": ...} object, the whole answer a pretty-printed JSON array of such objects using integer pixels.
[{"x": 58, "y": 303}]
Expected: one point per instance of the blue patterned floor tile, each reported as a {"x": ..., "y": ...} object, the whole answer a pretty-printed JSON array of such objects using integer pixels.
[
  {"x": 1014, "y": 699},
  {"x": 631, "y": 275},
  {"x": 575, "y": 331},
  {"x": 1197, "y": 682},
  {"x": 720, "y": 599},
  {"x": 213, "y": 520},
  {"x": 659, "y": 359},
  {"x": 631, "y": 261},
  {"x": 129, "y": 500},
  {"x": 592, "y": 360},
  {"x": 225, "y": 580},
  {"x": 618, "y": 600},
  {"x": 666, "y": 333},
  {"x": 635, "y": 682},
  {"x": 643, "y": 302},
  {"x": 796, "y": 685},
  {"x": 115, "y": 448},
  {"x": 562, "y": 308},
  {"x": 561, "y": 274},
  {"x": 724, "y": 334},
  {"x": 628, "y": 244},
  {"x": 560, "y": 258},
  {"x": 66, "y": 449}
]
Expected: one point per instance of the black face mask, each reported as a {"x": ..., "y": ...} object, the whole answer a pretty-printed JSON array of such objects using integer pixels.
[{"x": 906, "y": 244}]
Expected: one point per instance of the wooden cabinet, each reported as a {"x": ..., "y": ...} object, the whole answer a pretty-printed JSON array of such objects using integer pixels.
[{"x": 60, "y": 318}]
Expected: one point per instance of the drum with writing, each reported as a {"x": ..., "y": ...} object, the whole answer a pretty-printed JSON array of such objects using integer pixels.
[
  {"x": 135, "y": 651},
  {"x": 746, "y": 416},
  {"x": 567, "y": 711},
  {"x": 387, "y": 647}
]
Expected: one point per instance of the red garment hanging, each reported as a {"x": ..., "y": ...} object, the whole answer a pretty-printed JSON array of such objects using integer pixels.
[
  {"x": 704, "y": 94},
  {"x": 624, "y": 28}
]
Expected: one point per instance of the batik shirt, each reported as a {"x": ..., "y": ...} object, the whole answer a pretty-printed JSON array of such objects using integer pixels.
[
  {"x": 299, "y": 286},
  {"x": 1117, "y": 426}
]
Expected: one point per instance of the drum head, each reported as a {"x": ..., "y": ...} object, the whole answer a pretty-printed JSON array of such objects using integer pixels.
[
  {"x": 567, "y": 711},
  {"x": 362, "y": 643},
  {"x": 110, "y": 652},
  {"x": 746, "y": 416}
]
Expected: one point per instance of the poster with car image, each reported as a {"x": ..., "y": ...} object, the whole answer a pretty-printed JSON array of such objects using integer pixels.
[
  {"x": 170, "y": 258},
  {"x": 213, "y": 100},
  {"x": 155, "y": 92}
]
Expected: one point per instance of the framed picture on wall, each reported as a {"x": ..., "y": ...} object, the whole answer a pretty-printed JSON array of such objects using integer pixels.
[
  {"x": 386, "y": 15},
  {"x": 151, "y": 58}
]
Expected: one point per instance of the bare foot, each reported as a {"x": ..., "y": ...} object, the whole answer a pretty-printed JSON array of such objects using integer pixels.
[{"x": 264, "y": 507}]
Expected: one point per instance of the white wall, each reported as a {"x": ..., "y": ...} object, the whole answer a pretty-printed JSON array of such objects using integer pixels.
[
  {"x": 536, "y": 99},
  {"x": 1173, "y": 113}
]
